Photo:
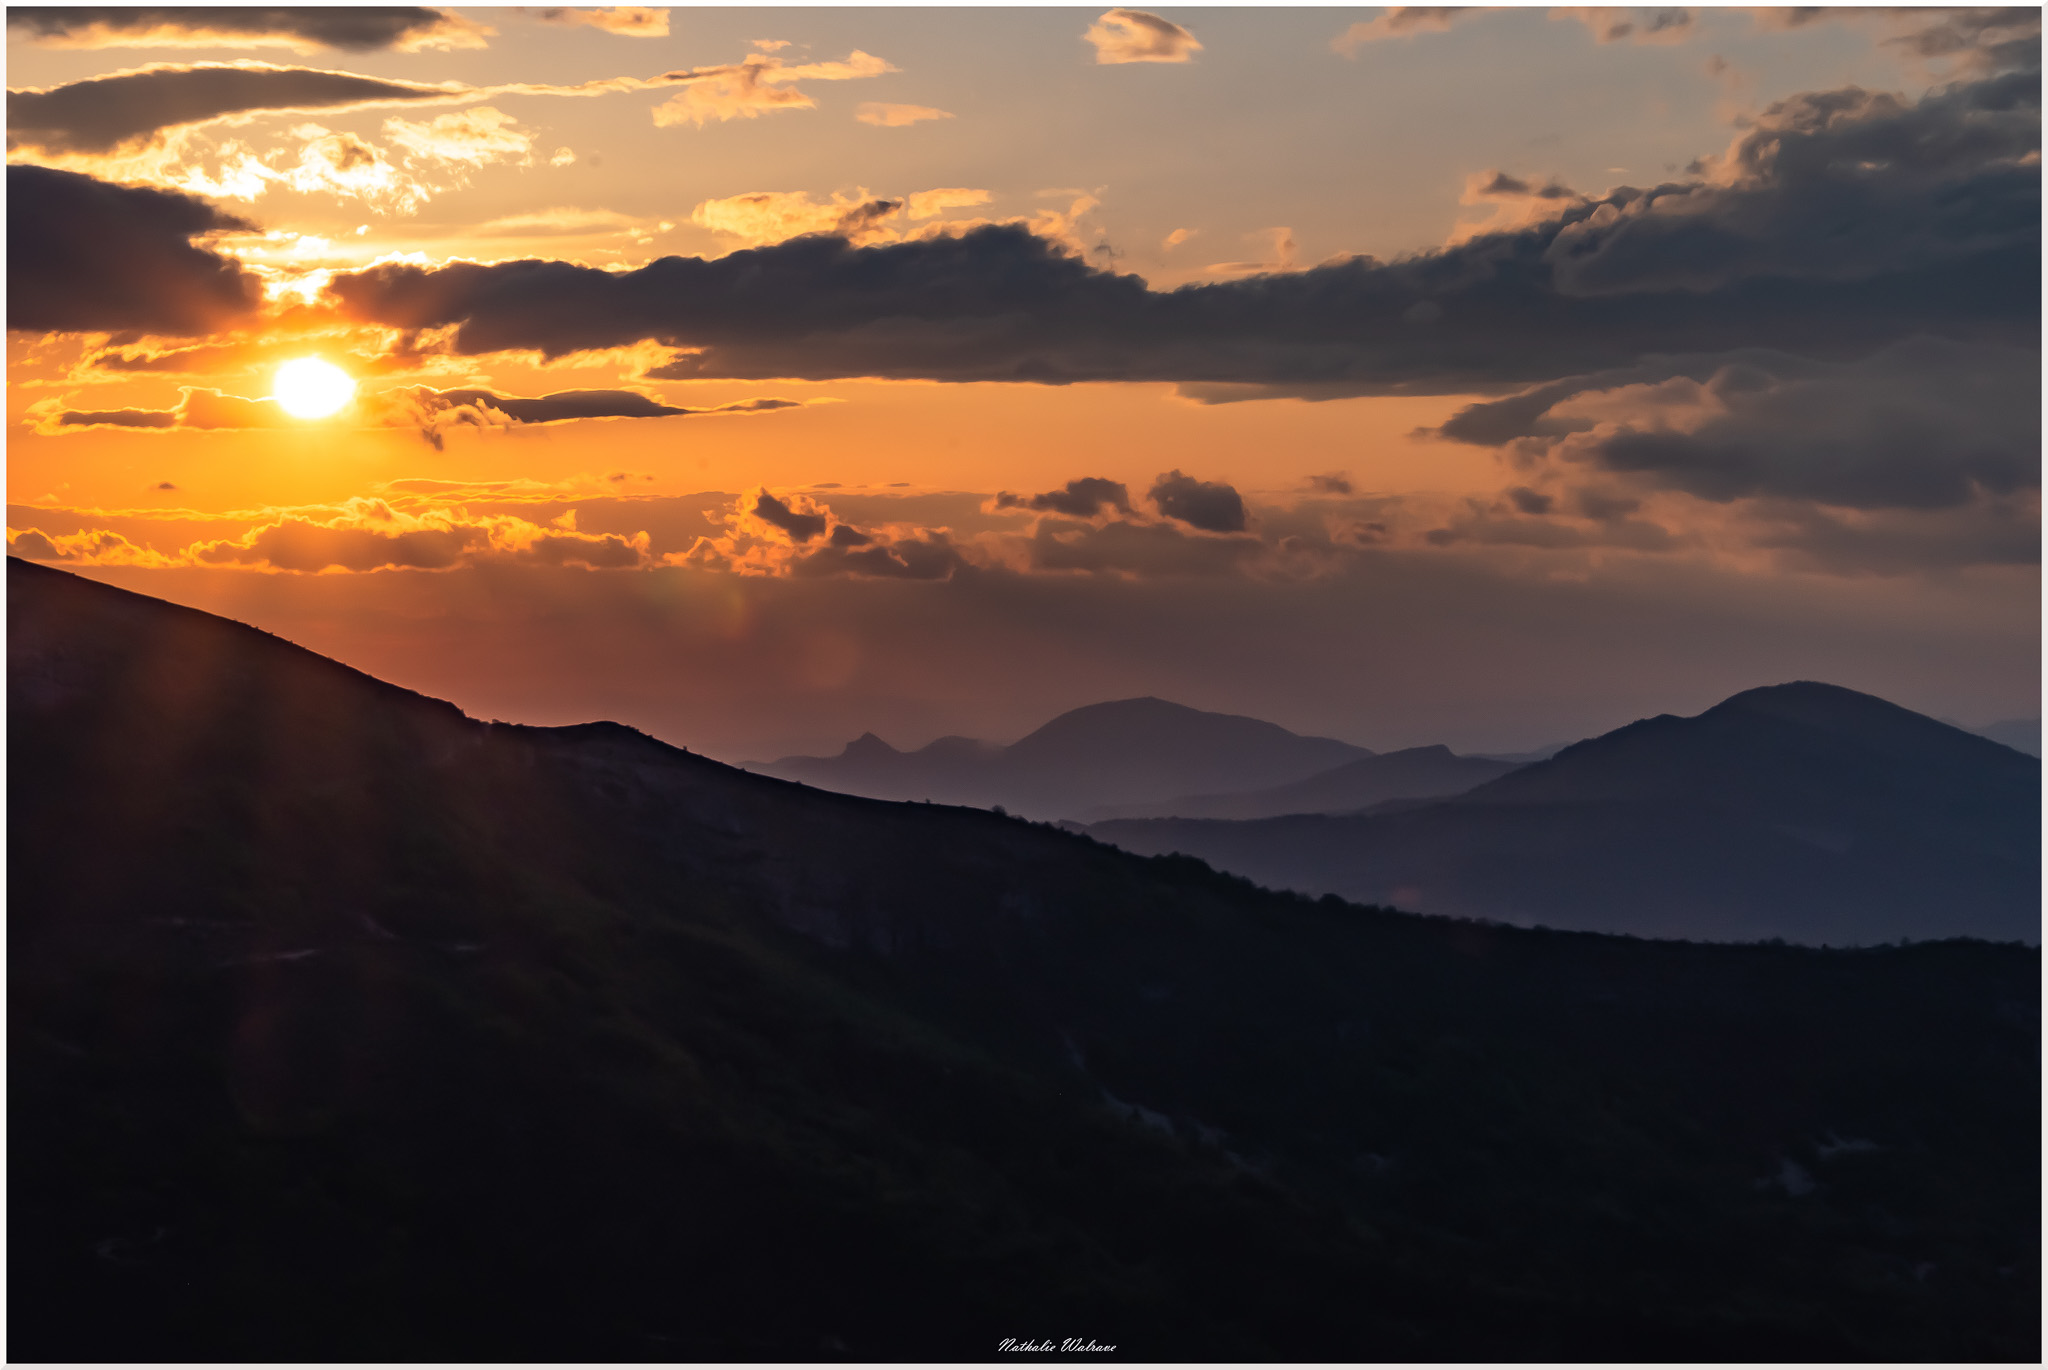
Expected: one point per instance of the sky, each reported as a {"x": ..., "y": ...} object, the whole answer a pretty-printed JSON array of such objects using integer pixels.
[{"x": 762, "y": 377}]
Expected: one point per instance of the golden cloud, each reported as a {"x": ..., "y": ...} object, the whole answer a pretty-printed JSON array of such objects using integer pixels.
[
  {"x": 760, "y": 84},
  {"x": 1127, "y": 35},
  {"x": 896, "y": 116}
]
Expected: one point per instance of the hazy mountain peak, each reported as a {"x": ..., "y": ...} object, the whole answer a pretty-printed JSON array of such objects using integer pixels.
[{"x": 866, "y": 747}]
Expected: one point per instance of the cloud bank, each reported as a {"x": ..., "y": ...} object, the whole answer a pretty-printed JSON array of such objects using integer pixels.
[
  {"x": 1840, "y": 222},
  {"x": 86, "y": 256},
  {"x": 364, "y": 28}
]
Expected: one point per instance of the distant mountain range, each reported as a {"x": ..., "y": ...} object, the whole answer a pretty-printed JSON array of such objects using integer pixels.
[
  {"x": 344, "y": 1027},
  {"x": 1416, "y": 773},
  {"x": 1803, "y": 811},
  {"x": 2020, "y": 734},
  {"x": 1127, "y": 752}
]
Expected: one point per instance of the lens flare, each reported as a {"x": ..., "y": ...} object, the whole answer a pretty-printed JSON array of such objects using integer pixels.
[{"x": 312, "y": 389}]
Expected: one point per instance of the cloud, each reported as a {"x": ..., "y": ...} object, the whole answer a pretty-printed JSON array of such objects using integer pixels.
[
  {"x": 1512, "y": 203},
  {"x": 128, "y": 109},
  {"x": 926, "y": 204},
  {"x": 402, "y": 28},
  {"x": 1896, "y": 542},
  {"x": 372, "y": 535},
  {"x": 895, "y": 116},
  {"x": 771, "y": 216},
  {"x": 1208, "y": 505},
  {"x": 1281, "y": 250},
  {"x": 562, "y": 219},
  {"x": 1330, "y": 483},
  {"x": 1401, "y": 21},
  {"x": 922, "y": 556},
  {"x": 198, "y": 408},
  {"x": 1136, "y": 548},
  {"x": 628, "y": 21},
  {"x": 1923, "y": 424},
  {"x": 86, "y": 256},
  {"x": 1615, "y": 25},
  {"x": 763, "y": 217},
  {"x": 1176, "y": 238},
  {"x": 759, "y": 84},
  {"x": 1838, "y": 223},
  {"x": 1126, "y": 35},
  {"x": 1982, "y": 39},
  {"x": 473, "y": 137},
  {"x": 432, "y": 412},
  {"x": 435, "y": 412},
  {"x": 1083, "y": 498},
  {"x": 800, "y": 526},
  {"x": 1979, "y": 40},
  {"x": 774, "y": 535},
  {"x": 94, "y": 547},
  {"x": 432, "y": 156}
]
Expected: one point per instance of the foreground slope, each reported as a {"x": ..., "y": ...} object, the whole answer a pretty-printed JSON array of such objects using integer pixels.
[
  {"x": 1123, "y": 752},
  {"x": 344, "y": 1027},
  {"x": 1802, "y": 811}
]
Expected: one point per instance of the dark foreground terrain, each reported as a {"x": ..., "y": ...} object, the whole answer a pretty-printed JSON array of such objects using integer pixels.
[{"x": 344, "y": 1027}]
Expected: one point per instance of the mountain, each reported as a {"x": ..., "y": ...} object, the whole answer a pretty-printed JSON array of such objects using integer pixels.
[
  {"x": 1129, "y": 751},
  {"x": 1802, "y": 811},
  {"x": 343, "y": 1027},
  {"x": 2020, "y": 734},
  {"x": 1416, "y": 773}
]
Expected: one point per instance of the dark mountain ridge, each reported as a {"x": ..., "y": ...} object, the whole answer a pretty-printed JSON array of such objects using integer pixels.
[
  {"x": 1804, "y": 811},
  {"x": 1121, "y": 752},
  {"x": 344, "y": 1027}
]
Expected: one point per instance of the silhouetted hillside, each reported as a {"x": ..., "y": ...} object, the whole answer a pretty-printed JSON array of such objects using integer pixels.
[
  {"x": 1801, "y": 811},
  {"x": 344, "y": 1027},
  {"x": 1124, "y": 752},
  {"x": 1415, "y": 773}
]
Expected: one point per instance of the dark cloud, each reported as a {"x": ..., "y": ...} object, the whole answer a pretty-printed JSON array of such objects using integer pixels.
[
  {"x": 1330, "y": 483},
  {"x": 928, "y": 556},
  {"x": 565, "y": 405},
  {"x": 87, "y": 256},
  {"x": 1982, "y": 38},
  {"x": 1924, "y": 424},
  {"x": 352, "y": 28},
  {"x": 103, "y": 113},
  {"x": 118, "y": 418},
  {"x": 1082, "y": 498},
  {"x": 165, "y": 485},
  {"x": 1503, "y": 186},
  {"x": 800, "y": 526},
  {"x": 1208, "y": 505},
  {"x": 1986, "y": 38},
  {"x": 433, "y": 412},
  {"x": 1832, "y": 186},
  {"x": 1836, "y": 224}
]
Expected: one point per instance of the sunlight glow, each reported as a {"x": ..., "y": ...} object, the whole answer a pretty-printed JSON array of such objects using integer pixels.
[{"x": 312, "y": 389}]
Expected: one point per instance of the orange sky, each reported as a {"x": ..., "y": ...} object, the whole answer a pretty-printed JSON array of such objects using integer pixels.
[{"x": 1707, "y": 497}]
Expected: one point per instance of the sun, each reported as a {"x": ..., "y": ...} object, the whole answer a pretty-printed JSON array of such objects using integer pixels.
[{"x": 312, "y": 389}]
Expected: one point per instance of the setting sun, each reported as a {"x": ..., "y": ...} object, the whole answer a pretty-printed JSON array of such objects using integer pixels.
[{"x": 312, "y": 389}]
